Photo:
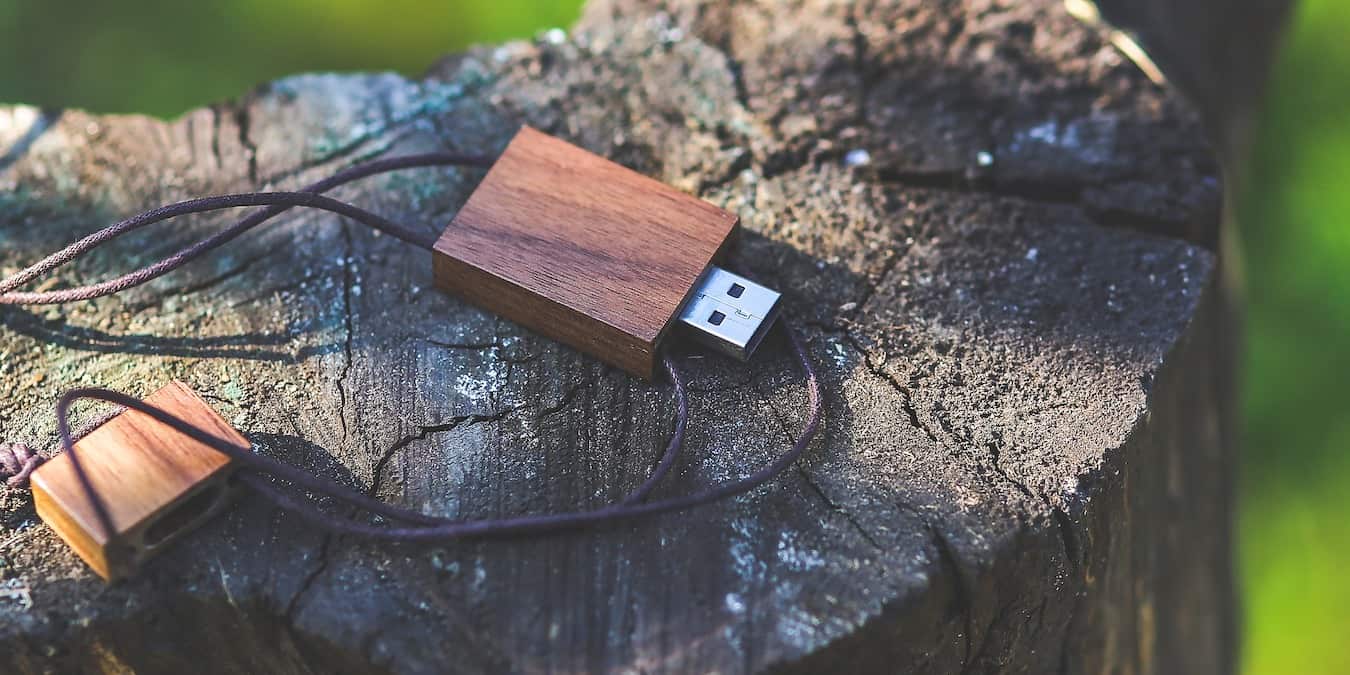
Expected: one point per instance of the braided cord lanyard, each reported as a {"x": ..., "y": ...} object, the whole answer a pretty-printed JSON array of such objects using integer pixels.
[{"x": 255, "y": 470}]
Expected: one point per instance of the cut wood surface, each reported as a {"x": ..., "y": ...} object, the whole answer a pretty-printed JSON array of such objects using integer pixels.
[{"x": 988, "y": 225}]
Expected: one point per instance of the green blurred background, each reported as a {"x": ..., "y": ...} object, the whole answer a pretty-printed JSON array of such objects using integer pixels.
[
  {"x": 1295, "y": 542},
  {"x": 1295, "y": 536}
]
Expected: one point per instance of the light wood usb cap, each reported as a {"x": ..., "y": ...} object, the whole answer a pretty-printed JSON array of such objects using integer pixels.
[
  {"x": 580, "y": 249},
  {"x": 156, "y": 483}
]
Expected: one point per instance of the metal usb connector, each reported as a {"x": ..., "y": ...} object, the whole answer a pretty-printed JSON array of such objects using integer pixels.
[{"x": 730, "y": 313}]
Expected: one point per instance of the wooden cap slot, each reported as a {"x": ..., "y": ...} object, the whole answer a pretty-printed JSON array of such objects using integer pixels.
[
  {"x": 157, "y": 483},
  {"x": 186, "y": 516}
]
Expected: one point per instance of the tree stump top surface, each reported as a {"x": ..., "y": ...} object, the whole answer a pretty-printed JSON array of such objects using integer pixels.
[{"x": 960, "y": 201}]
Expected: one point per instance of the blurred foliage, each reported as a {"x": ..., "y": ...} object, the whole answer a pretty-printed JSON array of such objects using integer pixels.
[
  {"x": 1295, "y": 536},
  {"x": 165, "y": 56}
]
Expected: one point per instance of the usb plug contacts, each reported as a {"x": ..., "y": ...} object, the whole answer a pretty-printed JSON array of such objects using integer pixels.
[{"x": 730, "y": 313}]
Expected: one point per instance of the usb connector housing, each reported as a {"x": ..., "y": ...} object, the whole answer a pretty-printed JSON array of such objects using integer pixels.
[{"x": 730, "y": 313}]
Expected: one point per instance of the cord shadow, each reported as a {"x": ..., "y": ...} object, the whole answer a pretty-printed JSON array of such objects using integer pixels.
[
  {"x": 246, "y": 346},
  {"x": 46, "y": 119},
  {"x": 302, "y": 453}
]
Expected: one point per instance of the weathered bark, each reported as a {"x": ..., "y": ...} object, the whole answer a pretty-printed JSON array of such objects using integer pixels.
[
  {"x": 1023, "y": 469},
  {"x": 1218, "y": 52}
]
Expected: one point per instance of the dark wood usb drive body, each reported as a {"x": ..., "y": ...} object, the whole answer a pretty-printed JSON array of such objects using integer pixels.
[
  {"x": 155, "y": 482},
  {"x": 580, "y": 249}
]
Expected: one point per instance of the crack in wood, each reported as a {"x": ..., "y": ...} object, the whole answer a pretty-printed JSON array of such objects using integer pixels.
[
  {"x": 839, "y": 509},
  {"x": 951, "y": 562},
  {"x": 215, "y": 136},
  {"x": 348, "y": 282},
  {"x": 426, "y": 431},
  {"x": 242, "y": 119}
]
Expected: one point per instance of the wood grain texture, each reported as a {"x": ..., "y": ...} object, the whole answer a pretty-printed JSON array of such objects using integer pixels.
[
  {"x": 1024, "y": 468},
  {"x": 156, "y": 483},
  {"x": 581, "y": 249}
]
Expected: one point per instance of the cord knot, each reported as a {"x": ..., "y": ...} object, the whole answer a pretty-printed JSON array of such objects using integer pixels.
[{"x": 17, "y": 462}]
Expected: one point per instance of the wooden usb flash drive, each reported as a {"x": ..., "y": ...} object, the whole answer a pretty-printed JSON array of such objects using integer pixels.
[
  {"x": 155, "y": 482},
  {"x": 599, "y": 257}
]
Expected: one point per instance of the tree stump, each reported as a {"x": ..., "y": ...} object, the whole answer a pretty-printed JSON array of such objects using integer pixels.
[{"x": 990, "y": 227}]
